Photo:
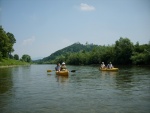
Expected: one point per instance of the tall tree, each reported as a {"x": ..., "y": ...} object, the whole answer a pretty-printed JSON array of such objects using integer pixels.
[
  {"x": 7, "y": 41},
  {"x": 26, "y": 58},
  {"x": 4, "y": 43},
  {"x": 123, "y": 51},
  {"x": 16, "y": 57},
  {"x": 12, "y": 40}
]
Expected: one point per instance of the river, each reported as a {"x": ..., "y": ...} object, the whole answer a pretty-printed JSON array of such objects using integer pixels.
[{"x": 31, "y": 89}]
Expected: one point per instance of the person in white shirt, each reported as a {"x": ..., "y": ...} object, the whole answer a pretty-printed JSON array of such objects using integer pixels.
[{"x": 102, "y": 65}]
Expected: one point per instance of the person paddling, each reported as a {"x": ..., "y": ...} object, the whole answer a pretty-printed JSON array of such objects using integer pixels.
[
  {"x": 57, "y": 68},
  {"x": 110, "y": 66},
  {"x": 102, "y": 65},
  {"x": 63, "y": 67}
]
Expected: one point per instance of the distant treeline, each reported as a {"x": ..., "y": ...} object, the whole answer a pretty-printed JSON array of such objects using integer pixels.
[
  {"x": 7, "y": 41},
  {"x": 123, "y": 52}
]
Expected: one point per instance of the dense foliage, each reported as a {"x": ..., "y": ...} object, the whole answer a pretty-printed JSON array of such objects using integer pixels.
[
  {"x": 64, "y": 53},
  {"x": 26, "y": 58},
  {"x": 7, "y": 40},
  {"x": 123, "y": 52}
]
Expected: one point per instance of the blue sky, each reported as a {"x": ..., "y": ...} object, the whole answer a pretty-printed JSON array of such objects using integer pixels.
[{"x": 42, "y": 27}]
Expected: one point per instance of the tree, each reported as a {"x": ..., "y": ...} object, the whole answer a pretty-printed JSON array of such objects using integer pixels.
[
  {"x": 26, "y": 58},
  {"x": 11, "y": 37},
  {"x": 12, "y": 40},
  {"x": 141, "y": 54},
  {"x": 123, "y": 51},
  {"x": 4, "y": 43},
  {"x": 16, "y": 57},
  {"x": 11, "y": 56},
  {"x": 1, "y": 56},
  {"x": 7, "y": 41}
]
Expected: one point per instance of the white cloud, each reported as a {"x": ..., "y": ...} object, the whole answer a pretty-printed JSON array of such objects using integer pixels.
[
  {"x": 86, "y": 7},
  {"x": 28, "y": 41}
]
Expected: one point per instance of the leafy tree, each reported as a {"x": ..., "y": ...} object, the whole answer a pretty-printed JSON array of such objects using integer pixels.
[
  {"x": 26, "y": 58},
  {"x": 141, "y": 54},
  {"x": 12, "y": 40},
  {"x": 4, "y": 43},
  {"x": 16, "y": 57},
  {"x": 7, "y": 41},
  {"x": 138, "y": 58},
  {"x": 1, "y": 56},
  {"x": 123, "y": 51},
  {"x": 11, "y": 56}
]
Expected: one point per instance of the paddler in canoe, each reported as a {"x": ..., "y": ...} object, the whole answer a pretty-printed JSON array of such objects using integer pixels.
[
  {"x": 103, "y": 65},
  {"x": 63, "y": 70},
  {"x": 63, "y": 67},
  {"x": 60, "y": 68},
  {"x": 109, "y": 67},
  {"x": 57, "y": 68}
]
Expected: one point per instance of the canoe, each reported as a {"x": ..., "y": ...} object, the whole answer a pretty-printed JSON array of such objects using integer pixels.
[
  {"x": 106, "y": 69},
  {"x": 63, "y": 73}
]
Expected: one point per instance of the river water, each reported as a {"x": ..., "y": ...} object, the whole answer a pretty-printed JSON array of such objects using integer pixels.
[{"x": 31, "y": 89}]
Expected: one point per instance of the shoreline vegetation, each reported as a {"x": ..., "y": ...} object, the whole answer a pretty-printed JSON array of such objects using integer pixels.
[
  {"x": 123, "y": 52},
  {"x": 7, "y": 41},
  {"x": 4, "y": 63}
]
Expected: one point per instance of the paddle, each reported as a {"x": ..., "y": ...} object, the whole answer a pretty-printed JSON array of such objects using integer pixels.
[
  {"x": 73, "y": 70},
  {"x": 49, "y": 70},
  {"x": 54, "y": 70}
]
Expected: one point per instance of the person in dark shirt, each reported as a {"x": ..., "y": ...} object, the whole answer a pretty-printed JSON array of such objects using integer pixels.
[{"x": 57, "y": 68}]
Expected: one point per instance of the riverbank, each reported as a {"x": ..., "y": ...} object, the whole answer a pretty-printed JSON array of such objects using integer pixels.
[{"x": 11, "y": 63}]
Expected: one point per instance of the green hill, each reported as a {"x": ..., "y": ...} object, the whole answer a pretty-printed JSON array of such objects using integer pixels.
[
  {"x": 74, "y": 48},
  {"x": 123, "y": 52}
]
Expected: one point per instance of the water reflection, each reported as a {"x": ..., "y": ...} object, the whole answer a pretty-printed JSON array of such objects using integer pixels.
[
  {"x": 124, "y": 80},
  {"x": 61, "y": 79},
  {"x": 48, "y": 73},
  {"x": 6, "y": 82},
  {"x": 111, "y": 73},
  {"x": 32, "y": 89}
]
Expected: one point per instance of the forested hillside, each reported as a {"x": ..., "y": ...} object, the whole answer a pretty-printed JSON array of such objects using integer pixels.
[
  {"x": 59, "y": 55},
  {"x": 123, "y": 52}
]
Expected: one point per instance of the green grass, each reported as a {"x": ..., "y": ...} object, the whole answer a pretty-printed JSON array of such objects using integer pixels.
[{"x": 8, "y": 62}]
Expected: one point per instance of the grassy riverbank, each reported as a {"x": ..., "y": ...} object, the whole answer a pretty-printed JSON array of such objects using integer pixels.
[{"x": 11, "y": 62}]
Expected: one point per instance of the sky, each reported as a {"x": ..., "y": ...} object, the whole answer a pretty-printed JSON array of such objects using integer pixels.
[{"x": 42, "y": 27}]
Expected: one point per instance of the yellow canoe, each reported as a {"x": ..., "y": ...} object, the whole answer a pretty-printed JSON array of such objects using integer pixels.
[
  {"x": 63, "y": 73},
  {"x": 107, "y": 69}
]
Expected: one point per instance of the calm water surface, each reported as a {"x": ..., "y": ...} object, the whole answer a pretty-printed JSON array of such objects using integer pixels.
[{"x": 30, "y": 89}]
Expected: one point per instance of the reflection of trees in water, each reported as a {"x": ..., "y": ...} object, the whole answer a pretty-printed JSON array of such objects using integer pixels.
[
  {"x": 112, "y": 74},
  {"x": 6, "y": 83},
  {"x": 61, "y": 79},
  {"x": 5, "y": 80},
  {"x": 124, "y": 80}
]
